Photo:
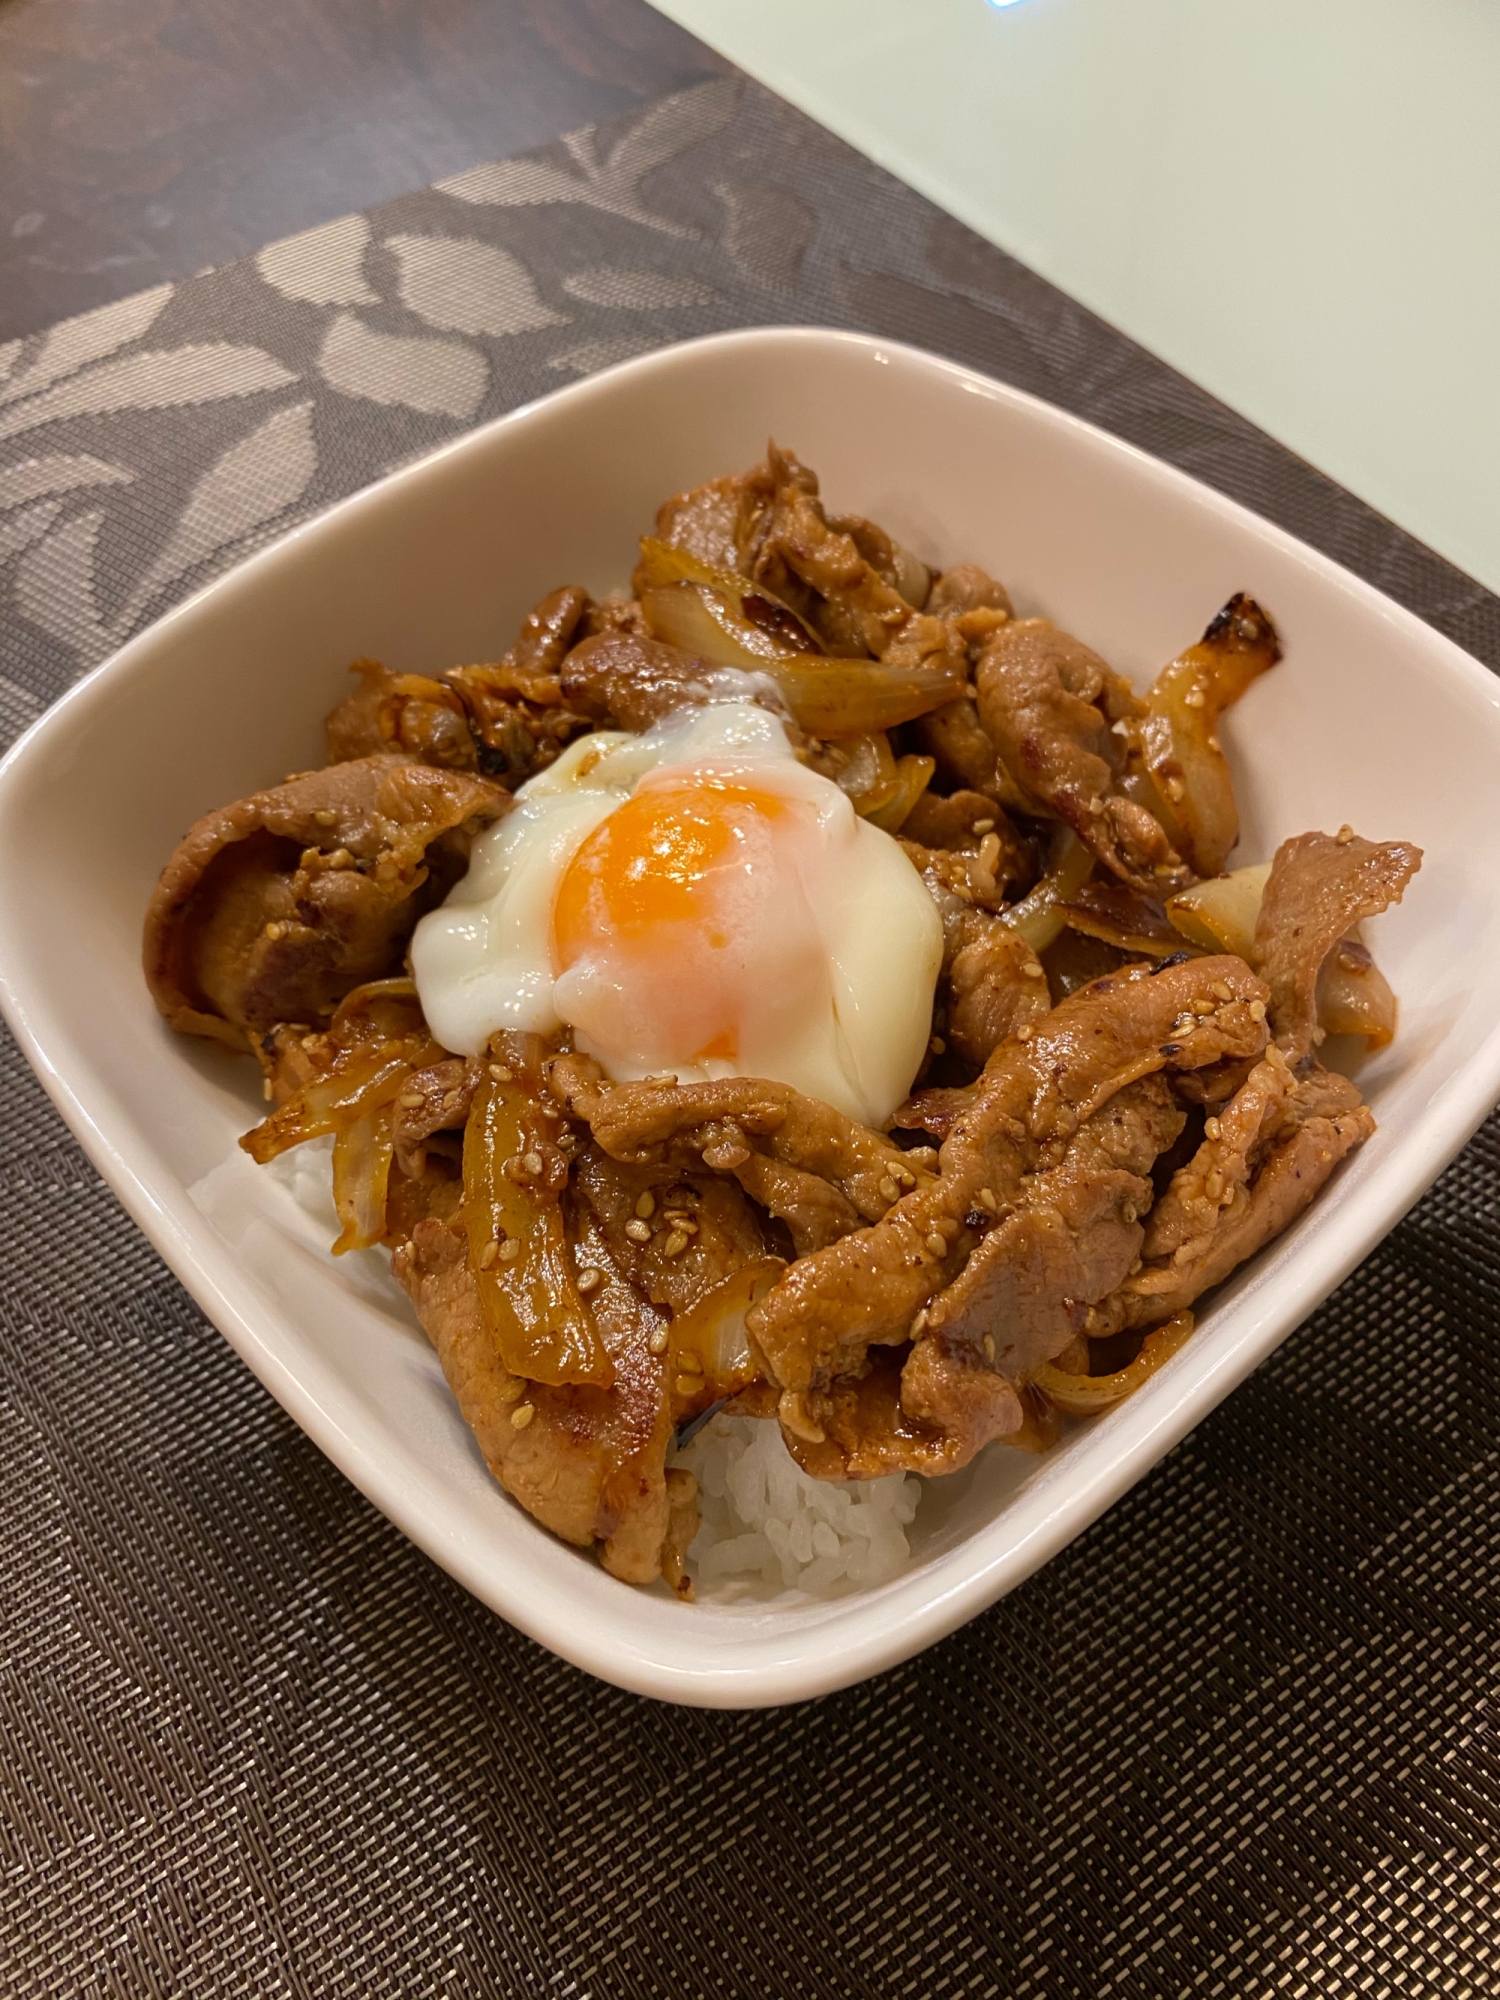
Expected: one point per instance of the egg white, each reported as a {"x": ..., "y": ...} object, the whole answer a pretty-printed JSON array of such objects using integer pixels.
[{"x": 483, "y": 961}]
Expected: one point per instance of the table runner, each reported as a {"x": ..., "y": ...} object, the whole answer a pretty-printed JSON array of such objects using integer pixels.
[{"x": 252, "y": 1742}]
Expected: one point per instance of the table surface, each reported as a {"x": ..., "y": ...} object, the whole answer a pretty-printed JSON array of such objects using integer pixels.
[
  {"x": 1293, "y": 205},
  {"x": 142, "y": 140},
  {"x": 1296, "y": 205}
]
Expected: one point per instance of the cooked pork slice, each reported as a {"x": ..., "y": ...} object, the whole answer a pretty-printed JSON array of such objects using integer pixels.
[
  {"x": 864, "y": 1429},
  {"x": 991, "y": 982},
  {"x": 954, "y": 738},
  {"x": 630, "y": 682},
  {"x": 844, "y": 598},
  {"x": 274, "y": 908},
  {"x": 960, "y": 820},
  {"x": 1263, "y": 1160},
  {"x": 720, "y": 522},
  {"x": 1320, "y": 886},
  {"x": 589, "y": 1463},
  {"x": 771, "y": 1138},
  {"x": 1066, "y": 1238},
  {"x": 892, "y": 563},
  {"x": 507, "y": 718},
  {"x": 435, "y": 1099},
  {"x": 1048, "y": 704},
  {"x": 966, "y": 588},
  {"x": 675, "y": 1236},
  {"x": 518, "y": 714},
  {"x": 1029, "y": 1103}
]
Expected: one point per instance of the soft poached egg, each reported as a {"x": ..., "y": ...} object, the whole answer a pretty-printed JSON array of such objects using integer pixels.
[{"x": 693, "y": 901}]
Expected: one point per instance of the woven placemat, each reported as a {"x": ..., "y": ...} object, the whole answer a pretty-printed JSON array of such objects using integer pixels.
[{"x": 253, "y": 1743}]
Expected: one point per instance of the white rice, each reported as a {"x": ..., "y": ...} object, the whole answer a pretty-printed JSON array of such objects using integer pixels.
[{"x": 766, "y": 1521}]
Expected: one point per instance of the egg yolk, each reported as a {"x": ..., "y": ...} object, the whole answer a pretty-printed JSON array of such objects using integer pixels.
[{"x": 687, "y": 902}]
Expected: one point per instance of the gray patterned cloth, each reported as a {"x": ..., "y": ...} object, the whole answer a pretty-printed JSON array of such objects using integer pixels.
[{"x": 1231, "y": 1743}]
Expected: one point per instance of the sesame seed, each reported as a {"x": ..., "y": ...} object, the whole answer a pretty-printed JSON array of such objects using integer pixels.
[
  {"x": 1203, "y": 1005},
  {"x": 488, "y": 1255},
  {"x": 500, "y": 1073},
  {"x": 658, "y": 1341},
  {"x": 266, "y": 1091},
  {"x": 1320, "y": 1036},
  {"x": 1129, "y": 1212},
  {"x": 1345, "y": 834},
  {"x": 938, "y": 1245},
  {"x": 1025, "y": 1033},
  {"x": 1135, "y": 1266},
  {"x": 675, "y": 1244},
  {"x": 590, "y": 1279},
  {"x": 687, "y": 1385},
  {"x": 1220, "y": 990},
  {"x": 512, "y": 1388},
  {"x": 666, "y": 1078},
  {"x": 984, "y": 825},
  {"x": 1176, "y": 790},
  {"x": 988, "y": 1344},
  {"x": 887, "y": 1189},
  {"x": 509, "y": 1252},
  {"x": 903, "y": 1177},
  {"x": 1257, "y": 1010},
  {"x": 1213, "y": 1185},
  {"x": 1096, "y": 804},
  {"x": 987, "y": 1200},
  {"x": 522, "y": 1415},
  {"x": 989, "y": 852},
  {"x": 1212, "y": 1128},
  {"x": 919, "y": 1323},
  {"x": 1193, "y": 698},
  {"x": 646, "y": 1205},
  {"x": 325, "y": 817},
  {"x": 937, "y": 1045},
  {"x": 533, "y": 1164},
  {"x": 410, "y": 1099},
  {"x": 689, "y": 1363},
  {"x": 275, "y": 932},
  {"x": 1033, "y": 971},
  {"x": 340, "y": 858},
  {"x": 637, "y": 1230},
  {"x": 1164, "y": 868}
]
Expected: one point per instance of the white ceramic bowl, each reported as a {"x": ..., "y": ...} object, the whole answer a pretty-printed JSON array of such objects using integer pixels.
[{"x": 1373, "y": 718}]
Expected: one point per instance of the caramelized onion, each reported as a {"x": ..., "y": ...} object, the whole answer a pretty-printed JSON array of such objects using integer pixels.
[
  {"x": 1041, "y": 916},
  {"x": 518, "y": 1247},
  {"x": 714, "y": 1327},
  {"x": 1086, "y": 1395},
  {"x": 1175, "y": 745},
  {"x": 361, "y": 1178},
  {"x": 1221, "y": 915}
]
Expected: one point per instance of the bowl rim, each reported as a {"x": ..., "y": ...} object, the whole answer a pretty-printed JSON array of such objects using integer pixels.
[{"x": 848, "y": 1648}]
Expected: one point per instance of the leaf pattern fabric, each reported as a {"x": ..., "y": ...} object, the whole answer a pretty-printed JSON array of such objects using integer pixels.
[{"x": 1230, "y": 1742}]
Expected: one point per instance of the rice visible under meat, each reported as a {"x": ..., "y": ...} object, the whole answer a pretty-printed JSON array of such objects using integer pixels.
[{"x": 765, "y": 1520}]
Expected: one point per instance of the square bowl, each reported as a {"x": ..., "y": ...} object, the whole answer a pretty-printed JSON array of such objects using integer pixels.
[{"x": 1372, "y": 718}]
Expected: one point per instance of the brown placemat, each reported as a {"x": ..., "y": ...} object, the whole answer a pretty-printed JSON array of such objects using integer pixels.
[{"x": 253, "y": 1743}]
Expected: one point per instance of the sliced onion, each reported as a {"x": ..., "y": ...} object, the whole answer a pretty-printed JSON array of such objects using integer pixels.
[
  {"x": 361, "y": 1177},
  {"x": 1041, "y": 917},
  {"x": 1119, "y": 915},
  {"x": 714, "y": 1327},
  {"x": 530, "y": 1303},
  {"x": 1354, "y": 997},
  {"x": 1221, "y": 915},
  {"x": 1086, "y": 1395},
  {"x": 827, "y": 697},
  {"x": 911, "y": 780}
]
